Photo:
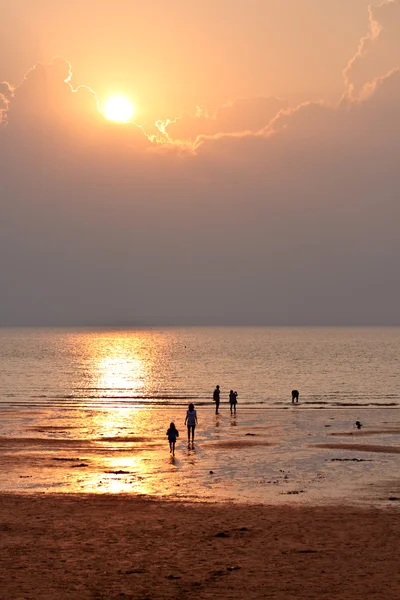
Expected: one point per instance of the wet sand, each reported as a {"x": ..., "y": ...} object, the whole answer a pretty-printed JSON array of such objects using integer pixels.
[
  {"x": 237, "y": 445},
  {"x": 361, "y": 448},
  {"x": 322, "y": 518},
  {"x": 119, "y": 547},
  {"x": 259, "y": 456},
  {"x": 362, "y": 432}
]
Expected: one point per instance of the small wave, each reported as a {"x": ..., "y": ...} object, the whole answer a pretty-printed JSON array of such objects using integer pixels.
[
  {"x": 312, "y": 402},
  {"x": 120, "y": 397}
]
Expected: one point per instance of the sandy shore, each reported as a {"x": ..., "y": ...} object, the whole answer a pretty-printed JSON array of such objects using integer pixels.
[
  {"x": 313, "y": 457},
  {"x": 119, "y": 547},
  {"x": 361, "y": 448}
]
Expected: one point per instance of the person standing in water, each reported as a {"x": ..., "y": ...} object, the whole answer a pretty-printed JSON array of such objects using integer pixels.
[
  {"x": 216, "y": 397},
  {"x": 191, "y": 422},
  {"x": 233, "y": 401},
  {"x": 172, "y": 434}
]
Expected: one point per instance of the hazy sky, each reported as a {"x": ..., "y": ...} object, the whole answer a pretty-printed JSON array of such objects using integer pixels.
[{"x": 258, "y": 184}]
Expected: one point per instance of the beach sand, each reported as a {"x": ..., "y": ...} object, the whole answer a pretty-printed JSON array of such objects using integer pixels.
[
  {"x": 361, "y": 448},
  {"x": 314, "y": 517},
  {"x": 120, "y": 547}
]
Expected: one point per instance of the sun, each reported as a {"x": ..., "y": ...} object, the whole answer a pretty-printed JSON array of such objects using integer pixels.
[{"x": 118, "y": 108}]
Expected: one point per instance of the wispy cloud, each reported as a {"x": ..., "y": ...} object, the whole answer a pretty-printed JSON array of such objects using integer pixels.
[{"x": 378, "y": 52}]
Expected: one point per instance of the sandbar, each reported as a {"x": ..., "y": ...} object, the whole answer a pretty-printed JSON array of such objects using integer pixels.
[{"x": 361, "y": 448}]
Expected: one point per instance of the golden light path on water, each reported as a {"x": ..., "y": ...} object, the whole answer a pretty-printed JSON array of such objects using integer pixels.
[
  {"x": 121, "y": 364},
  {"x": 133, "y": 479},
  {"x": 116, "y": 392},
  {"x": 121, "y": 371},
  {"x": 127, "y": 453}
]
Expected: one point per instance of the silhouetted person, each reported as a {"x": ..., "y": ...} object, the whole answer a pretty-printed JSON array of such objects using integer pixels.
[
  {"x": 295, "y": 396},
  {"x": 233, "y": 401},
  {"x": 216, "y": 397},
  {"x": 358, "y": 424},
  {"x": 172, "y": 434},
  {"x": 191, "y": 422}
]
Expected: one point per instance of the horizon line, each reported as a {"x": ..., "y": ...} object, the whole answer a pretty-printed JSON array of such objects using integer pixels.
[{"x": 169, "y": 325}]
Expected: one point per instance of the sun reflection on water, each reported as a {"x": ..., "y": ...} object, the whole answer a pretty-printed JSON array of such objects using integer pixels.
[
  {"x": 128, "y": 453},
  {"x": 121, "y": 372},
  {"x": 118, "y": 423},
  {"x": 129, "y": 447},
  {"x": 122, "y": 474},
  {"x": 123, "y": 369},
  {"x": 128, "y": 468},
  {"x": 120, "y": 364}
]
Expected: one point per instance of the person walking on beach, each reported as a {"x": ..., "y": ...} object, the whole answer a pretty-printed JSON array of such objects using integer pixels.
[
  {"x": 191, "y": 422},
  {"x": 233, "y": 401},
  {"x": 216, "y": 397},
  {"x": 295, "y": 396},
  {"x": 172, "y": 434}
]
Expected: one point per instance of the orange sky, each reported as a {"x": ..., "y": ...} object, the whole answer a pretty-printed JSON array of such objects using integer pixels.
[
  {"x": 171, "y": 55},
  {"x": 274, "y": 203}
]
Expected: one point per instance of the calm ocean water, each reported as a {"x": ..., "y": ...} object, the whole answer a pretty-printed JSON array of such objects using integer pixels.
[
  {"x": 332, "y": 367},
  {"x": 77, "y": 413}
]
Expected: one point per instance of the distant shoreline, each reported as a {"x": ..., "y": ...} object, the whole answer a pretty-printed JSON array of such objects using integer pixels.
[{"x": 104, "y": 326}]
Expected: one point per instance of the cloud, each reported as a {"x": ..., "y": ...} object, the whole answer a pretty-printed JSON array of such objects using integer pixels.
[
  {"x": 6, "y": 93},
  {"x": 245, "y": 114},
  {"x": 260, "y": 214},
  {"x": 46, "y": 104},
  {"x": 301, "y": 138},
  {"x": 378, "y": 52}
]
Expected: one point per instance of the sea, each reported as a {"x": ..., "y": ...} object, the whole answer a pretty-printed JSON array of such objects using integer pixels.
[
  {"x": 331, "y": 367},
  {"x": 86, "y": 411}
]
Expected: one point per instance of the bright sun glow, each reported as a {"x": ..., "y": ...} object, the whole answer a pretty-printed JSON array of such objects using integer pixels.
[{"x": 119, "y": 108}]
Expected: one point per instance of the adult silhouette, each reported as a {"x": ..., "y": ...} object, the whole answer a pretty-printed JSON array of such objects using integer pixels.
[
  {"x": 216, "y": 398},
  {"x": 191, "y": 422},
  {"x": 233, "y": 401}
]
